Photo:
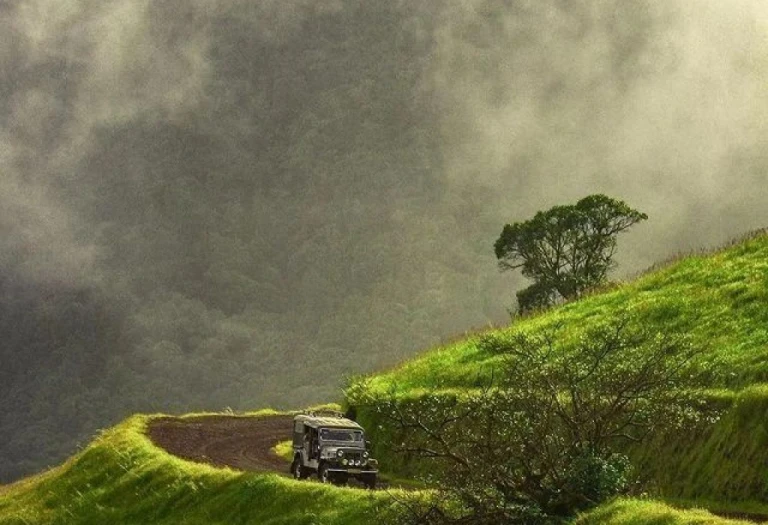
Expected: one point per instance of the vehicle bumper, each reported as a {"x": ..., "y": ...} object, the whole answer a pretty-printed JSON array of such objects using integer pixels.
[{"x": 351, "y": 472}]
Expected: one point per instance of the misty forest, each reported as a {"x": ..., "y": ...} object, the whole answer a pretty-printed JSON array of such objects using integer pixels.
[{"x": 244, "y": 203}]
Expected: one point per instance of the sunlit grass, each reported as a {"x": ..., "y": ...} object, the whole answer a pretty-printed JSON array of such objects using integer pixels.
[
  {"x": 750, "y": 508},
  {"x": 284, "y": 449},
  {"x": 718, "y": 299},
  {"x": 123, "y": 478},
  {"x": 644, "y": 512}
]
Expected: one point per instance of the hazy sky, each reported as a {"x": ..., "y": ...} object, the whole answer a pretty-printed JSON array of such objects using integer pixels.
[{"x": 662, "y": 104}]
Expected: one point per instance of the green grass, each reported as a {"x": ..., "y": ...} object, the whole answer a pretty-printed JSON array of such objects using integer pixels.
[
  {"x": 123, "y": 478},
  {"x": 644, "y": 512},
  {"x": 756, "y": 511},
  {"x": 718, "y": 299},
  {"x": 284, "y": 449},
  {"x": 725, "y": 461}
]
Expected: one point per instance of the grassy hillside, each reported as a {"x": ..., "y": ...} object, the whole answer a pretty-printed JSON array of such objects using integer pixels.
[
  {"x": 717, "y": 299},
  {"x": 123, "y": 478}
]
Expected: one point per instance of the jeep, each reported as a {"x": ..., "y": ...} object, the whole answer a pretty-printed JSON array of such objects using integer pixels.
[{"x": 333, "y": 447}]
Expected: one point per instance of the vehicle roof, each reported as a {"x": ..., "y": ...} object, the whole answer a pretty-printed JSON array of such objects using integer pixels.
[{"x": 327, "y": 421}]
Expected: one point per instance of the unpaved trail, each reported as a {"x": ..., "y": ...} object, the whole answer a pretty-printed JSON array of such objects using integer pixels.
[{"x": 242, "y": 443}]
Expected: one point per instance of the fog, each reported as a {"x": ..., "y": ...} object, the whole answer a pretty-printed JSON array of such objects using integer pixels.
[
  {"x": 239, "y": 204},
  {"x": 660, "y": 103}
]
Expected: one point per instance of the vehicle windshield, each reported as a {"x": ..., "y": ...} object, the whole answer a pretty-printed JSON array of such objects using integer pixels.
[{"x": 340, "y": 434}]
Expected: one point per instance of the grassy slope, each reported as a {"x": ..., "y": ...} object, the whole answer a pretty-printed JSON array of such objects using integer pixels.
[
  {"x": 123, "y": 478},
  {"x": 635, "y": 512},
  {"x": 721, "y": 301},
  {"x": 727, "y": 461}
]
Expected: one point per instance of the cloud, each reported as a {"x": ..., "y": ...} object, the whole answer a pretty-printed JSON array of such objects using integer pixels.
[
  {"x": 660, "y": 104},
  {"x": 78, "y": 67},
  {"x": 36, "y": 236}
]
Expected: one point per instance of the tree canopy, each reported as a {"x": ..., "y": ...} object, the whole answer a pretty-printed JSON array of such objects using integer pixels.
[{"x": 566, "y": 249}]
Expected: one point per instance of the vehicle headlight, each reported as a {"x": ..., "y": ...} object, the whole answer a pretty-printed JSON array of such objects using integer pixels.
[
  {"x": 365, "y": 455},
  {"x": 339, "y": 453},
  {"x": 343, "y": 461}
]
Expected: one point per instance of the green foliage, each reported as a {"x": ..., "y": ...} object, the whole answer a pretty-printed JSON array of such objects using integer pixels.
[
  {"x": 566, "y": 250},
  {"x": 543, "y": 439},
  {"x": 538, "y": 296},
  {"x": 494, "y": 343},
  {"x": 598, "y": 477},
  {"x": 620, "y": 381}
]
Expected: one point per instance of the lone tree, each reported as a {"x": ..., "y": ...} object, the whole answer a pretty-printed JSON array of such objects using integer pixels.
[{"x": 566, "y": 249}]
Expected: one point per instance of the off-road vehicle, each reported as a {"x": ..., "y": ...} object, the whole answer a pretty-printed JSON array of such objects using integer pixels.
[{"x": 333, "y": 447}]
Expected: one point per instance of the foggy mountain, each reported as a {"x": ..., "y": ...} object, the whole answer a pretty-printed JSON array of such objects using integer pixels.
[{"x": 238, "y": 204}]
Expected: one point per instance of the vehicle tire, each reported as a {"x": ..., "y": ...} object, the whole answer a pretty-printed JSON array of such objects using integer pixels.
[
  {"x": 296, "y": 469},
  {"x": 299, "y": 471},
  {"x": 340, "y": 479},
  {"x": 370, "y": 482},
  {"x": 322, "y": 473}
]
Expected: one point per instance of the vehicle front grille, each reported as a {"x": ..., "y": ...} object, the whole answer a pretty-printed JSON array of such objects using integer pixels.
[{"x": 354, "y": 455}]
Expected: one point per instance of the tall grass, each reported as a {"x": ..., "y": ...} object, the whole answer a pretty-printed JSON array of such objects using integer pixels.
[
  {"x": 719, "y": 299},
  {"x": 644, "y": 512}
]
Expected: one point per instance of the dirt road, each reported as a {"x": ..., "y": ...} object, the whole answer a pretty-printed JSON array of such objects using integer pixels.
[{"x": 242, "y": 443}]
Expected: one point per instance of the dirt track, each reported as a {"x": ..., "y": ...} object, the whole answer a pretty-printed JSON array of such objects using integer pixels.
[{"x": 243, "y": 443}]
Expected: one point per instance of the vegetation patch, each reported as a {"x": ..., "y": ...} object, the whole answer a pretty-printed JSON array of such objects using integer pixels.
[
  {"x": 284, "y": 449},
  {"x": 724, "y": 461},
  {"x": 645, "y": 512}
]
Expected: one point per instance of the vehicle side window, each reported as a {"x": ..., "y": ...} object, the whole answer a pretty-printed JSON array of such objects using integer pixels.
[{"x": 314, "y": 451}]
